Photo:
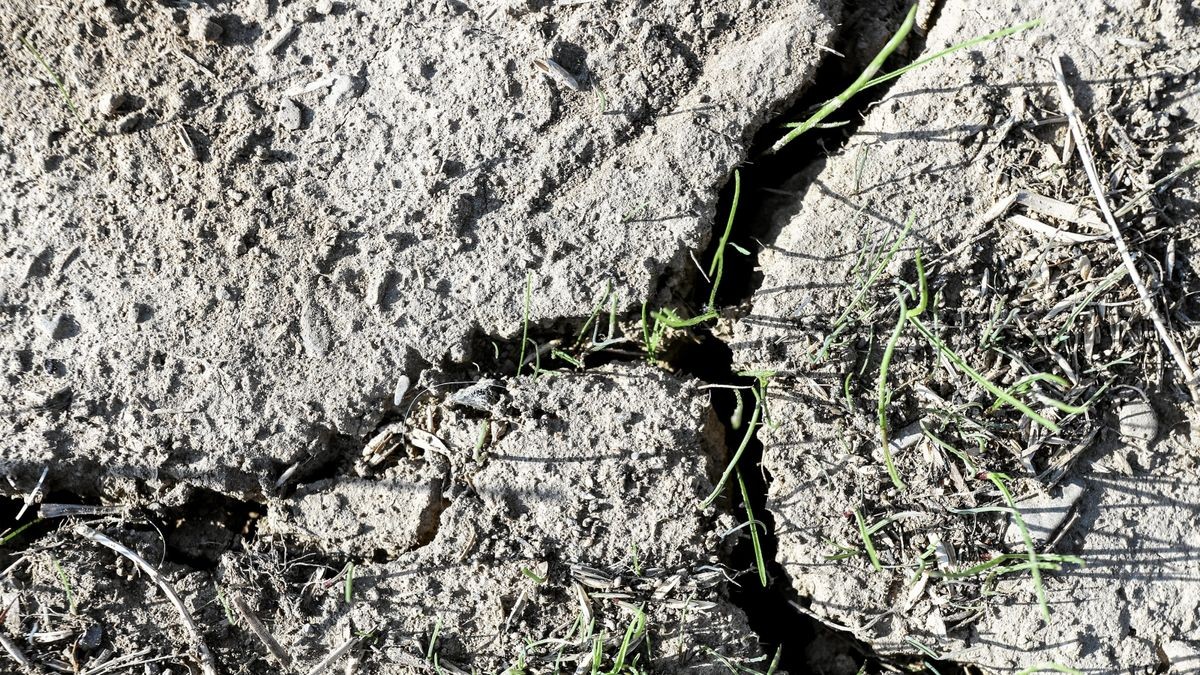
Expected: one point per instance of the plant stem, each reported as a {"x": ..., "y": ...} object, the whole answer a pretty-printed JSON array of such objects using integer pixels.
[
  {"x": 885, "y": 397},
  {"x": 856, "y": 86},
  {"x": 718, "y": 263}
]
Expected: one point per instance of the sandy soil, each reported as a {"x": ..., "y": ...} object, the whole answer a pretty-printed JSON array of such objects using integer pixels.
[{"x": 332, "y": 312}]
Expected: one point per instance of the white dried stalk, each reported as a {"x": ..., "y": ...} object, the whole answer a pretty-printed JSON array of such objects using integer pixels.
[
  {"x": 207, "y": 664},
  {"x": 1089, "y": 166},
  {"x": 1051, "y": 232},
  {"x": 35, "y": 494},
  {"x": 129, "y": 661},
  {"x": 260, "y": 631},
  {"x": 336, "y": 654},
  {"x": 15, "y": 652}
]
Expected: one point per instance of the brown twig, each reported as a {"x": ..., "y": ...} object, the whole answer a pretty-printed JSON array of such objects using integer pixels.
[
  {"x": 256, "y": 626},
  {"x": 1089, "y": 166},
  {"x": 207, "y": 664},
  {"x": 336, "y": 654}
]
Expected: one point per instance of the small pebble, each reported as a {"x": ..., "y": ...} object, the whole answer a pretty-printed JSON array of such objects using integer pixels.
[
  {"x": 55, "y": 326},
  {"x": 288, "y": 115},
  {"x": 325, "y": 7},
  {"x": 109, "y": 103},
  {"x": 1137, "y": 422},
  {"x": 203, "y": 29}
]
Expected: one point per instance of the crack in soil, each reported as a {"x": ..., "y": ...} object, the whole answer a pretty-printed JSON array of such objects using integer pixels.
[{"x": 775, "y": 183}]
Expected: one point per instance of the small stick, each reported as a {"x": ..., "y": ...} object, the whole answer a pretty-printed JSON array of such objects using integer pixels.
[
  {"x": 15, "y": 652},
  {"x": 129, "y": 661},
  {"x": 260, "y": 631},
  {"x": 1089, "y": 166},
  {"x": 1129, "y": 206},
  {"x": 207, "y": 664},
  {"x": 336, "y": 654},
  {"x": 35, "y": 495}
]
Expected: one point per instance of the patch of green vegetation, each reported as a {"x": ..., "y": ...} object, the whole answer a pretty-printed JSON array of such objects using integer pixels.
[{"x": 867, "y": 78}]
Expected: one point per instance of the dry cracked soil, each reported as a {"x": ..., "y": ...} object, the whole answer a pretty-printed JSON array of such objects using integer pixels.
[{"x": 392, "y": 336}]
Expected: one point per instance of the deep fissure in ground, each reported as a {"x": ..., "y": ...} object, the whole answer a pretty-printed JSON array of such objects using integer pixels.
[{"x": 771, "y": 183}]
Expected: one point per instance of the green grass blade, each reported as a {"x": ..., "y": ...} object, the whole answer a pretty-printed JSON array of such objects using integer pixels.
[
  {"x": 1034, "y": 567},
  {"x": 867, "y": 543},
  {"x": 922, "y": 289},
  {"x": 887, "y": 77},
  {"x": 57, "y": 82},
  {"x": 4, "y": 539},
  {"x": 637, "y": 627},
  {"x": 525, "y": 321},
  {"x": 593, "y": 316},
  {"x": 670, "y": 319},
  {"x": 1150, "y": 190},
  {"x": 979, "y": 378},
  {"x": 842, "y": 321},
  {"x": 755, "y": 415},
  {"x": 858, "y": 85},
  {"x": 758, "y": 554},
  {"x": 717, "y": 268},
  {"x": 885, "y": 396},
  {"x": 66, "y": 584}
]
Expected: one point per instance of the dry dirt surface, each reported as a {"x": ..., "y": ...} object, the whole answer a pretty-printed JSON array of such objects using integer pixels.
[
  {"x": 1117, "y": 485},
  {"x": 327, "y": 338},
  {"x": 266, "y": 214},
  {"x": 525, "y": 548}
]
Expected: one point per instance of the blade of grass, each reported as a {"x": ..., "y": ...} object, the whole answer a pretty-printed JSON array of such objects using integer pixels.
[
  {"x": 979, "y": 378},
  {"x": 996, "y": 35},
  {"x": 1129, "y": 206},
  {"x": 563, "y": 356},
  {"x": 4, "y": 539},
  {"x": 753, "y": 424},
  {"x": 842, "y": 321},
  {"x": 637, "y": 628},
  {"x": 437, "y": 628},
  {"x": 593, "y": 316},
  {"x": 717, "y": 268},
  {"x": 1034, "y": 568},
  {"x": 867, "y": 543},
  {"x": 669, "y": 319},
  {"x": 525, "y": 321},
  {"x": 885, "y": 397},
  {"x": 57, "y": 82},
  {"x": 1108, "y": 283},
  {"x": 758, "y": 554},
  {"x": 838, "y": 101},
  {"x": 66, "y": 584}
]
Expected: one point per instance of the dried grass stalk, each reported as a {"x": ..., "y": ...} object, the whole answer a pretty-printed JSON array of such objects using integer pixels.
[
  {"x": 1089, "y": 166},
  {"x": 207, "y": 664}
]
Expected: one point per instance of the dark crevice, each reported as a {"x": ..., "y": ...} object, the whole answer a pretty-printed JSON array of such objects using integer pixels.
[
  {"x": 776, "y": 623},
  {"x": 205, "y": 526},
  {"x": 31, "y": 527},
  {"x": 196, "y": 532},
  {"x": 772, "y": 184}
]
